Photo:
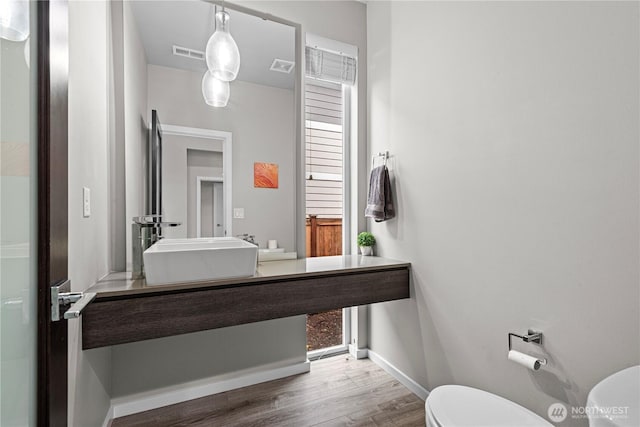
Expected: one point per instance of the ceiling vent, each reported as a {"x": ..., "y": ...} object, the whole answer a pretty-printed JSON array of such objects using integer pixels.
[
  {"x": 188, "y": 53},
  {"x": 282, "y": 66}
]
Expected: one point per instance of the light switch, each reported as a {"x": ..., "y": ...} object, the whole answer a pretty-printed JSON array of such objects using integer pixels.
[
  {"x": 238, "y": 213},
  {"x": 86, "y": 202}
]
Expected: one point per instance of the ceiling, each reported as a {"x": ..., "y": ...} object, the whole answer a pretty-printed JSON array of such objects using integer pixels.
[{"x": 190, "y": 23}]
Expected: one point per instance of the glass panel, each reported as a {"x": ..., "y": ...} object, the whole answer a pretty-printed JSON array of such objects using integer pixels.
[{"x": 18, "y": 247}]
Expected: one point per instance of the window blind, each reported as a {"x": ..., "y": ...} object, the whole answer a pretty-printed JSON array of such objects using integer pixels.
[
  {"x": 323, "y": 123},
  {"x": 330, "y": 66}
]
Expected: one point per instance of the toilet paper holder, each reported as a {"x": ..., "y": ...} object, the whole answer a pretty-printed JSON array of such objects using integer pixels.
[{"x": 532, "y": 336}]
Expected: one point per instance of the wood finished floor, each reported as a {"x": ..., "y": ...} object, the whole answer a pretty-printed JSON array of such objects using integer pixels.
[{"x": 339, "y": 391}]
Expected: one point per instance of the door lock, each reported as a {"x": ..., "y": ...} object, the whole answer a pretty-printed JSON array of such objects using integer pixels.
[{"x": 61, "y": 297}]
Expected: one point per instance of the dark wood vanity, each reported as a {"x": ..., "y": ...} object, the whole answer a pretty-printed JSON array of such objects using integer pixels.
[{"x": 128, "y": 310}]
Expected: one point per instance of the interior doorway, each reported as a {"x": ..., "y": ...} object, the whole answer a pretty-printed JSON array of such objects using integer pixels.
[
  {"x": 189, "y": 155},
  {"x": 210, "y": 207}
]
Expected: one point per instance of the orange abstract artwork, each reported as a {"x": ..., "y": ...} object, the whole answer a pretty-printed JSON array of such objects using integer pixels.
[{"x": 265, "y": 175}]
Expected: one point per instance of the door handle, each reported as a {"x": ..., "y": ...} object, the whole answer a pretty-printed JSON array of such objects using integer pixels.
[{"x": 61, "y": 296}]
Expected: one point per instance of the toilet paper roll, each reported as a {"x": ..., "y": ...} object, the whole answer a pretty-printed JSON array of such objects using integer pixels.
[
  {"x": 525, "y": 360},
  {"x": 272, "y": 244}
]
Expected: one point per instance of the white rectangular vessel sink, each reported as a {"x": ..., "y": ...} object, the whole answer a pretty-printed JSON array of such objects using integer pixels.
[{"x": 191, "y": 260}]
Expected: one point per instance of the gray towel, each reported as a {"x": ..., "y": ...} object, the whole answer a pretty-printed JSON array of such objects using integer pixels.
[{"x": 379, "y": 200}]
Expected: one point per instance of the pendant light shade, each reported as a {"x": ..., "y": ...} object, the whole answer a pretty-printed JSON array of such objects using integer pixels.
[
  {"x": 222, "y": 54},
  {"x": 14, "y": 20},
  {"x": 215, "y": 91},
  {"x": 27, "y": 53}
]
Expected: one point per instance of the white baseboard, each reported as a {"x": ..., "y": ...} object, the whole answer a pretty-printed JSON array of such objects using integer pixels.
[
  {"x": 404, "y": 379},
  {"x": 358, "y": 353},
  {"x": 132, "y": 404},
  {"x": 108, "y": 417}
]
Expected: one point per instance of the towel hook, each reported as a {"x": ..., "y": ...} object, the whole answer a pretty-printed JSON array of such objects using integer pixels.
[{"x": 383, "y": 154}]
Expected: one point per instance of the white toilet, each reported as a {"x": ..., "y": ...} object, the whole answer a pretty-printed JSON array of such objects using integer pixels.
[
  {"x": 460, "y": 406},
  {"x": 615, "y": 401}
]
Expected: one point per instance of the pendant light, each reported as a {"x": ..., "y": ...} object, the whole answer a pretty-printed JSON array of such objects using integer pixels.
[
  {"x": 214, "y": 91},
  {"x": 27, "y": 53},
  {"x": 14, "y": 20},
  {"x": 223, "y": 57}
]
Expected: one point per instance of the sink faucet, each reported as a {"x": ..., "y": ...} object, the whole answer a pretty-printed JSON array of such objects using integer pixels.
[
  {"x": 145, "y": 231},
  {"x": 248, "y": 238}
]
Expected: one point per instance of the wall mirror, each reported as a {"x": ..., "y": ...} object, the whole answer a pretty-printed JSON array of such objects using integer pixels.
[{"x": 225, "y": 170}]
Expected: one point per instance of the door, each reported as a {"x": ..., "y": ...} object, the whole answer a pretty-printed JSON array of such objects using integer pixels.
[
  {"x": 33, "y": 221},
  {"x": 207, "y": 209},
  {"x": 53, "y": 73},
  {"x": 218, "y": 211}
]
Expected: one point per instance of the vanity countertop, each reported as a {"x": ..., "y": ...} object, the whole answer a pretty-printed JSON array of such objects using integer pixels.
[
  {"x": 121, "y": 285},
  {"x": 279, "y": 289}
]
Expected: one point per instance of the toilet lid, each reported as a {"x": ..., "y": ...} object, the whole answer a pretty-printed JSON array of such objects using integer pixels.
[
  {"x": 460, "y": 406},
  {"x": 619, "y": 392}
]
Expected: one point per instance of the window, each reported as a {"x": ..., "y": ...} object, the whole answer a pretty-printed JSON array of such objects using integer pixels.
[
  {"x": 324, "y": 148},
  {"x": 330, "y": 77}
]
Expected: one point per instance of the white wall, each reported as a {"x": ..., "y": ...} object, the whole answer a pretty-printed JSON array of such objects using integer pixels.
[
  {"x": 262, "y": 121},
  {"x": 117, "y": 152},
  {"x": 513, "y": 130},
  {"x": 89, "y": 371},
  {"x": 135, "y": 122},
  {"x": 154, "y": 364}
]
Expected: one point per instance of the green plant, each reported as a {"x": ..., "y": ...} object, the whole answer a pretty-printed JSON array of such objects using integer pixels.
[{"x": 366, "y": 239}]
